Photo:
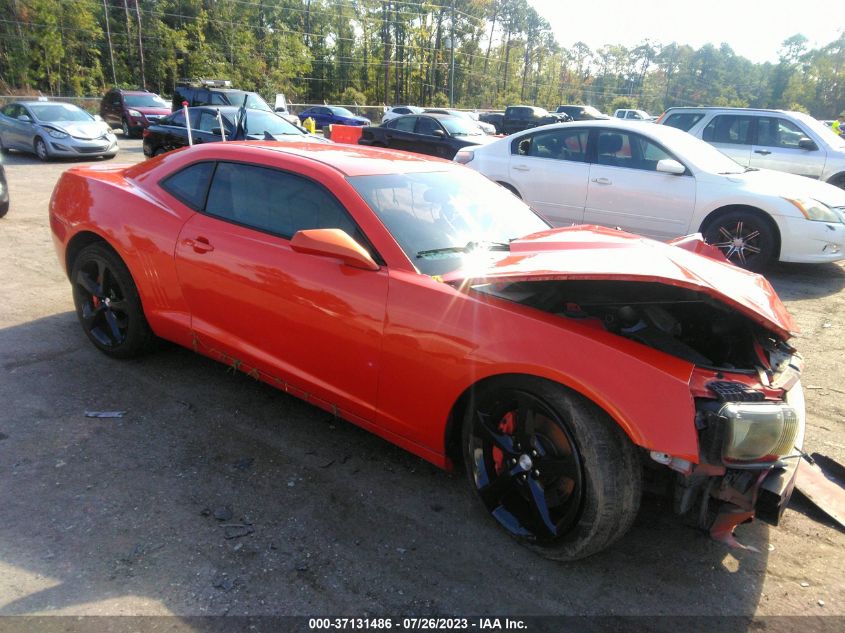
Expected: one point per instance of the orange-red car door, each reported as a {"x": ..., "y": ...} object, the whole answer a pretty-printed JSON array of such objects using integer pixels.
[{"x": 305, "y": 322}]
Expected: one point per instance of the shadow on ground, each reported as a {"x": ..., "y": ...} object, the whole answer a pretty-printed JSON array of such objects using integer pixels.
[{"x": 216, "y": 494}]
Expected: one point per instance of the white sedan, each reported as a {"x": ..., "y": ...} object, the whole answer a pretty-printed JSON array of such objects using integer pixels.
[{"x": 664, "y": 183}]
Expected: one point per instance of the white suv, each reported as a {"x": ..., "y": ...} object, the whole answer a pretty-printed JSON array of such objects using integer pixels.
[{"x": 772, "y": 139}]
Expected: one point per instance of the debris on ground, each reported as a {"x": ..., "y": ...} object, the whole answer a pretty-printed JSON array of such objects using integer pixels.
[
  {"x": 105, "y": 414},
  {"x": 822, "y": 481},
  {"x": 223, "y": 513},
  {"x": 236, "y": 530},
  {"x": 223, "y": 582}
]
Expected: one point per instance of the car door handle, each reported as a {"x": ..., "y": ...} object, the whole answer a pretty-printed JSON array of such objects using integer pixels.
[
  {"x": 199, "y": 244},
  {"x": 603, "y": 181},
  {"x": 522, "y": 168},
  {"x": 764, "y": 152}
]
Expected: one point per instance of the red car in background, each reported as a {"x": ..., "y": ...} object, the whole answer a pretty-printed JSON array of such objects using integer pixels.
[
  {"x": 132, "y": 110},
  {"x": 422, "y": 302}
]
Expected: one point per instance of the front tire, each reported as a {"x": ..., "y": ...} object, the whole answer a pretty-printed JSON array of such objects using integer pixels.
[
  {"x": 550, "y": 467},
  {"x": 746, "y": 239},
  {"x": 107, "y": 303},
  {"x": 124, "y": 126},
  {"x": 41, "y": 149}
]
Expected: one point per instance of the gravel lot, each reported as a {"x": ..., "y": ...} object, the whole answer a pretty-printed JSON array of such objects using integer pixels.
[{"x": 128, "y": 516}]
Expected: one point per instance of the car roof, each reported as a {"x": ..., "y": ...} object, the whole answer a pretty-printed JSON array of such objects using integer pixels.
[
  {"x": 133, "y": 92},
  {"x": 348, "y": 160},
  {"x": 728, "y": 108},
  {"x": 32, "y": 103}
]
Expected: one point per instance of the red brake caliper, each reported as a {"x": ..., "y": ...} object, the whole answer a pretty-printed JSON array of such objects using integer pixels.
[{"x": 507, "y": 425}]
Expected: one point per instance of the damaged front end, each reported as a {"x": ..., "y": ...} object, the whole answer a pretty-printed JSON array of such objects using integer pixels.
[{"x": 745, "y": 383}]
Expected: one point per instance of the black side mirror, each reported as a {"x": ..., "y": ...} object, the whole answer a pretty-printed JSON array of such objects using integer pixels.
[
  {"x": 524, "y": 147},
  {"x": 808, "y": 144},
  {"x": 439, "y": 133}
]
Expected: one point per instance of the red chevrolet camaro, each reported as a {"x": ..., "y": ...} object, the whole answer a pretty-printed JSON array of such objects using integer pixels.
[{"x": 417, "y": 299}]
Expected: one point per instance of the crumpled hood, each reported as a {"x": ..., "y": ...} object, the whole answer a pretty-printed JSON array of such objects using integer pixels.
[
  {"x": 778, "y": 183},
  {"x": 593, "y": 252},
  {"x": 80, "y": 129}
]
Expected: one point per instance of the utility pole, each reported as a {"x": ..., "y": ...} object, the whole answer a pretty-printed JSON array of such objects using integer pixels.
[
  {"x": 140, "y": 46},
  {"x": 108, "y": 36},
  {"x": 452, "y": 60}
]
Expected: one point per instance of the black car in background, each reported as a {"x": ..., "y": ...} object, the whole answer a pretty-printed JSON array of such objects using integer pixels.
[
  {"x": 255, "y": 125},
  {"x": 439, "y": 135},
  {"x": 581, "y": 112},
  {"x": 215, "y": 92},
  {"x": 522, "y": 117},
  {"x": 495, "y": 119}
]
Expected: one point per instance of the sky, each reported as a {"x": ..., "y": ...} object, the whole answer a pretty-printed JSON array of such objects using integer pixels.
[{"x": 754, "y": 29}]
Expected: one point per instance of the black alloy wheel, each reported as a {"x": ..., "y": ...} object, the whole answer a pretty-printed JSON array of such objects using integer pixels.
[
  {"x": 746, "y": 239},
  {"x": 551, "y": 468},
  {"x": 526, "y": 466},
  {"x": 107, "y": 303}
]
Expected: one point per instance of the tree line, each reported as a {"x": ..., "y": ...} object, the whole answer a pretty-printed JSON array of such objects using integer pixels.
[{"x": 470, "y": 53}]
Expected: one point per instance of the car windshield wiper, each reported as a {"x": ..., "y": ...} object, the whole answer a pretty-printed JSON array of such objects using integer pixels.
[
  {"x": 471, "y": 246},
  {"x": 747, "y": 169}
]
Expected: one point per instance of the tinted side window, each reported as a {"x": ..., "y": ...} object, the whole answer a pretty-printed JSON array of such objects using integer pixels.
[
  {"x": 274, "y": 201},
  {"x": 177, "y": 119},
  {"x": 570, "y": 144},
  {"x": 777, "y": 132},
  {"x": 218, "y": 99},
  {"x": 728, "y": 128},
  {"x": 623, "y": 149},
  {"x": 190, "y": 185},
  {"x": 683, "y": 120},
  {"x": 405, "y": 123},
  {"x": 426, "y": 125}
]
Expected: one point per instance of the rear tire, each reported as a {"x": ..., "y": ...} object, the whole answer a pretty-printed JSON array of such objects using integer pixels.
[
  {"x": 838, "y": 181},
  {"x": 107, "y": 303},
  {"x": 550, "y": 467}
]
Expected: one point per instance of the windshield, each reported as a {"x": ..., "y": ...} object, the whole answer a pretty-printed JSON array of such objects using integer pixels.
[
  {"x": 828, "y": 136},
  {"x": 462, "y": 127},
  {"x": 144, "y": 101},
  {"x": 58, "y": 112},
  {"x": 431, "y": 211},
  {"x": 258, "y": 123},
  {"x": 341, "y": 112},
  {"x": 593, "y": 112},
  {"x": 253, "y": 101}
]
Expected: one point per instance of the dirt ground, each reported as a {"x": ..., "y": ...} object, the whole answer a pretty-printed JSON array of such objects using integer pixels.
[{"x": 128, "y": 516}]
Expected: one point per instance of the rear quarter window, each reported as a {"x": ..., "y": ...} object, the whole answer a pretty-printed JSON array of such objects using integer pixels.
[
  {"x": 190, "y": 185},
  {"x": 683, "y": 120}
]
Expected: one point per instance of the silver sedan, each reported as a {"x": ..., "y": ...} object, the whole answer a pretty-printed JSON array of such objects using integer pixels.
[{"x": 51, "y": 129}]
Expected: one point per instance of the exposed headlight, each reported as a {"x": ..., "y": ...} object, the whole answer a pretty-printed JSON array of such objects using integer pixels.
[
  {"x": 815, "y": 210},
  {"x": 758, "y": 430},
  {"x": 464, "y": 156},
  {"x": 56, "y": 133},
  {"x": 134, "y": 113}
]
